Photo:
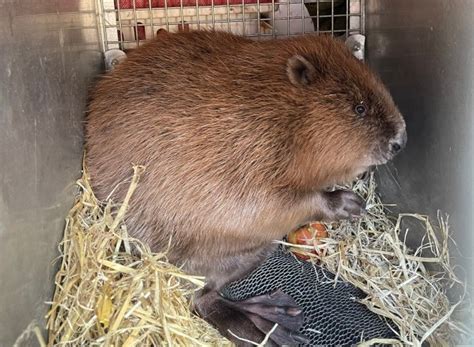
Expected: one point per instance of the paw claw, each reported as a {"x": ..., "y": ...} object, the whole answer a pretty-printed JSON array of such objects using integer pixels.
[
  {"x": 293, "y": 311},
  {"x": 300, "y": 338}
]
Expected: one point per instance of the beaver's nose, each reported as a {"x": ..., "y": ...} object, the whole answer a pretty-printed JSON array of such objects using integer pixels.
[{"x": 398, "y": 143}]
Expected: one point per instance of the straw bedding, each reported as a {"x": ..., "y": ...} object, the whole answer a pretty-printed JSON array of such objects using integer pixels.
[
  {"x": 111, "y": 290},
  {"x": 409, "y": 286}
]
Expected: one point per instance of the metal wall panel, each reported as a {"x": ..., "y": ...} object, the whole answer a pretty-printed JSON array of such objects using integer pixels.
[
  {"x": 424, "y": 51},
  {"x": 49, "y": 52}
]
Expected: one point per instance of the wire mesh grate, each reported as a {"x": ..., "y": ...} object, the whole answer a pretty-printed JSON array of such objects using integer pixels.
[{"x": 128, "y": 23}]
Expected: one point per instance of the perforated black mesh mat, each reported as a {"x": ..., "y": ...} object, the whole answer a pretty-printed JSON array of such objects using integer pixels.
[{"x": 332, "y": 314}]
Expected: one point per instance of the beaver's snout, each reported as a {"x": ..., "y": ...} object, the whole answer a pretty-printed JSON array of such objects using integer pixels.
[
  {"x": 388, "y": 149},
  {"x": 398, "y": 143}
]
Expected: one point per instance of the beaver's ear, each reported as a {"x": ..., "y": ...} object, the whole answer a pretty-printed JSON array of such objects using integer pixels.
[{"x": 300, "y": 71}]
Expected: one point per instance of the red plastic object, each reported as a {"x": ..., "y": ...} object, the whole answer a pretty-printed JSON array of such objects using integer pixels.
[
  {"x": 140, "y": 30},
  {"x": 128, "y": 4}
]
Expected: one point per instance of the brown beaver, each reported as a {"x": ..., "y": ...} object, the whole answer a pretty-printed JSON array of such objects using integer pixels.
[{"x": 240, "y": 139}]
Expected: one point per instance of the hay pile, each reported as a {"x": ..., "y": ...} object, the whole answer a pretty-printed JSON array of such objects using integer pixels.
[
  {"x": 371, "y": 254},
  {"x": 108, "y": 295}
]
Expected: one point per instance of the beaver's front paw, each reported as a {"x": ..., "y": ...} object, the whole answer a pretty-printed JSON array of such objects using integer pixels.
[{"x": 344, "y": 204}]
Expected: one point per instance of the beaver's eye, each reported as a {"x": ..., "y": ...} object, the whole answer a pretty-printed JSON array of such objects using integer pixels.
[{"x": 360, "y": 110}]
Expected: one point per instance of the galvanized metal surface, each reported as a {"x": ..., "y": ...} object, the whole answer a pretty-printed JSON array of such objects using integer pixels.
[
  {"x": 424, "y": 51},
  {"x": 49, "y": 52}
]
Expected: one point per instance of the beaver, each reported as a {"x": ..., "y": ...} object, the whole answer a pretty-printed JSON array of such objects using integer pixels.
[{"x": 240, "y": 139}]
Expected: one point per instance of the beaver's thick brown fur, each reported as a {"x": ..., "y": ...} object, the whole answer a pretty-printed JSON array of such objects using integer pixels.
[{"x": 239, "y": 139}]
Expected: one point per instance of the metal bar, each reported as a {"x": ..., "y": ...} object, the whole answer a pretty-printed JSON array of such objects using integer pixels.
[
  {"x": 218, "y": 9},
  {"x": 228, "y": 16},
  {"x": 288, "y": 17},
  {"x": 100, "y": 12},
  {"x": 218, "y": 21},
  {"x": 213, "y": 15},
  {"x": 259, "y": 25},
  {"x": 198, "y": 14},
  {"x": 273, "y": 19},
  {"x": 224, "y": 21},
  {"x": 347, "y": 17},
  {"x": 303, "y": 17},
  {"x": 243, "y": 17},
  {"x": 121, "y": 36},
  {"x": 137, "y": 37},
  {"x": 299, "y": 34},
  {"x": 167, "y": 21},
  {"x": 150, "y": 11},
  {"x": 332, "y": 17},
  {"x": 181, "y": 15},
  {"x": 317, "y": 16},
  {"x": 325, "y": 16}
]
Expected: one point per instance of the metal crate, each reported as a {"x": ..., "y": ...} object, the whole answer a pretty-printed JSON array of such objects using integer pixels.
[{"x": 125, "y": 24}]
